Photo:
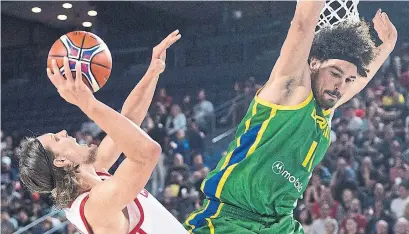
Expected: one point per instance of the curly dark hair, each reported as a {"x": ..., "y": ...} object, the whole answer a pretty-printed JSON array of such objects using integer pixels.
[
  {"x": 38, "y": 173},
  {"x": 349, "y": 40}
]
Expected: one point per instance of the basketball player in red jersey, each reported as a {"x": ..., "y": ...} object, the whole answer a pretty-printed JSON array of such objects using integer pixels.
[{"x": 75, "y": 175}]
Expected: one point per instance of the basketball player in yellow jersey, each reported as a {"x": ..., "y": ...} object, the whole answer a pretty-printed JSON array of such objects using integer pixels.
[{"x": 285, "y": 133}]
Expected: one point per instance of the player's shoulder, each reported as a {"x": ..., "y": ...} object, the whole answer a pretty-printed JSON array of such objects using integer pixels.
[
  {"x": 76, "y": 204},
  {"x": 287, "y": 90},
  {"x": 94, "y": 195}
]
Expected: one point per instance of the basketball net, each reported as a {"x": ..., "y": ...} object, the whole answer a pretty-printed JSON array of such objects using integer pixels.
[{"x": 336, "y": 11}]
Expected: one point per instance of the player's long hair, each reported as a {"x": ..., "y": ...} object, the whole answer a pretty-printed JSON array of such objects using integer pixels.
[
  {"x": 38, "y": 173},
  {"x": 349, "y": 40}
]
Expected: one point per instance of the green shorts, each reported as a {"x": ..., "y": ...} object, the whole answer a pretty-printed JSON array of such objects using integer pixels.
[{"x": 221, "y": 218}]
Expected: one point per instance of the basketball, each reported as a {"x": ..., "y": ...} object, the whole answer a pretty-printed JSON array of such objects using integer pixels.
[{"x": 88, "y": 49}]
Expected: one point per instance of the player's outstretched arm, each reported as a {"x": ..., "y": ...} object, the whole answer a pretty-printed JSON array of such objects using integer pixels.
[
  {"x": 142, "y": 152},
  {"x": 388, "y": 35},
  {"x": 137, "y": 103},
  {"x": 293, "y": 58}
]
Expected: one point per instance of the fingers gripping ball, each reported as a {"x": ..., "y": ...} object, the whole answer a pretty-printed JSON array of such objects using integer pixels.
[{"x": 90, "y": 51}]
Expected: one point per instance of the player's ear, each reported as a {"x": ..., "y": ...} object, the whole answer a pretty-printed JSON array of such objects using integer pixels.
[
  {"x": 314, "y": 63},
  {"x": 61, "y": 162}
]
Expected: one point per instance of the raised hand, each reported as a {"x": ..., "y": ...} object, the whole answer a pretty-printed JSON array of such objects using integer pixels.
[
  {"x": 385, "y": 29},
  {"x": 158, "y": 62},
  {"x": 73, "y": 91}
]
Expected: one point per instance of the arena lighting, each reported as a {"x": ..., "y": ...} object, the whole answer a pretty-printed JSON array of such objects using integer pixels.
[
  {"x": 92, "y": 13},
  {"x": 62, "y": 17},
  {"x": 67, "y": 5},
  {"x": 237, "y": 14},
  {"x": 36, "y": 9},
  {"x": 87, "y": 24}
]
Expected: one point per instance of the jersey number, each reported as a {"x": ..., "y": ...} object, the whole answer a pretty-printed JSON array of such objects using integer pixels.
[{"x": 309, "y": 158}]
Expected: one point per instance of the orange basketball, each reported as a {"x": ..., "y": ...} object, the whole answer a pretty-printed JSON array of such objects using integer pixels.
[{"x": 90, "y": 51}]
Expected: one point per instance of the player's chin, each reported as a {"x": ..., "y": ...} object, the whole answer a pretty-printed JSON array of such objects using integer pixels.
[
  {"x": 329, "y": 103},
  {"x": 92, "y": 155}
]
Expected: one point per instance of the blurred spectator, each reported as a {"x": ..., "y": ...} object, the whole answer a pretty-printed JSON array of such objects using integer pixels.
[
  {"x": 406, "y": 211},
  {"x": 398, "y": 204},
  {"x": 169, "y": 201},
  {"x": 391, "y": 97},
  {"x": 318, "y": 225},
  {"x": 381, "y": 227},
  {"x": 331, "y": 226},
  {"x": 336, "y": 210},
  {"x": 303, "y": 215},
  {"x": 343, "y": 177},
  {"x": 377, "y": 195},
  {"x": 196, "y": 137},
  {"x": 355, "y": 212},
  {"x": 404, "y": 78},
  {"x": 355, "y": 122},
  {"x": 176, "y": 121},
  {"x": 379, "y": 213},
  {"x": 203, "y": 112},
  {"x": 8, "y": 224},
  {"x": 402, "y": 226},
  {"x": 368, "y": 175},
  {"x": 155, "y": 129},
  {"x": 158, "y": 176},
  {"x": 187, "y": 106},
  {"x": 179, "y": 166},
  {"x": 22, "y": 217},
  {"x": 46, "y": 225},
  {"x": 397, "y": 171},
  {"x": 6, "y": 172},
  {"x": 159, "y": 113},
  {"x": 181, "y": 145},
  {"x": 71, "y": 229},
  {"x": 164, "y": 98},
  {"x": 351, "y": 227},
  {"x": 313, "y": 191},
  {"x": 199, "y": 171}
]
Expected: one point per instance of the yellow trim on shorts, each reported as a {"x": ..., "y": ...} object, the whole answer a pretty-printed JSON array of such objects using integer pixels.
[
  {"x": 229, "y": 170},
  {"x": 210, "y": 225},
  {"x": 218, "y": 211},
  {"x": 281, "y": 107},
  {"x": 192, "y": 216}
]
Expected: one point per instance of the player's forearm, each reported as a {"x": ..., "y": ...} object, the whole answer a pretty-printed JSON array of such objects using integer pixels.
[
  {"x": 137, "y": 103},
  {"x": 382, "y": 53},
  {"x": 127, "y": 136},
  {"x": 307, "y": 14}
]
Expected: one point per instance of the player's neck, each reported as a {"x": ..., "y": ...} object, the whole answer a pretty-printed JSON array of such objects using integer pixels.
[{"x": 89, "y": 177}]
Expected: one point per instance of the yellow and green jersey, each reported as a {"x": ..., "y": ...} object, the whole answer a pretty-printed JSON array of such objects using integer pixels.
[{"x": 270, "y": 162}]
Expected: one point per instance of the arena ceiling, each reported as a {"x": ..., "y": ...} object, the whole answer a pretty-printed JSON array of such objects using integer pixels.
[
  {"x": 192, "y": 11},
  {"x": 49, "y": 12},
  {"x": 148, "y": 11}
]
